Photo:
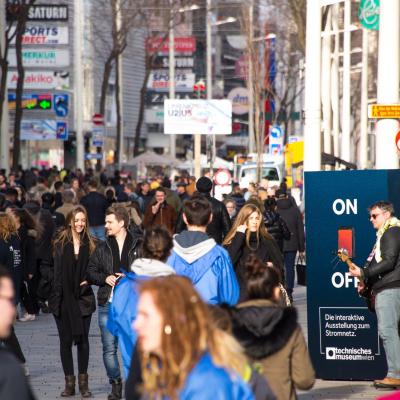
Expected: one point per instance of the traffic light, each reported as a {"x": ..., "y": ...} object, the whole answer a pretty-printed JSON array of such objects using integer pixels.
[{"x": 200, "y": 89}]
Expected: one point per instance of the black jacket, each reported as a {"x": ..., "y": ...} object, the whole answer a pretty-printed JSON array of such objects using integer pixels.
[
  {"x": 220, "y": 224},
  {"x": 291, "y": 214},
  {"x": 266, "y": 251},
  {"x": 101, "y": 265},
  {"x": 386, "y": 273},
  {"x": 96, "y": 206},
  {"x": 28, "y": 251},
  {"x": 87, "y": 302},
  {"x": 276, "y": 227}
]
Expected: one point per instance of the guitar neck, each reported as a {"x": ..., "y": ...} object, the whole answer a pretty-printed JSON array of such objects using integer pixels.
[{"x": 352, "y": 266}]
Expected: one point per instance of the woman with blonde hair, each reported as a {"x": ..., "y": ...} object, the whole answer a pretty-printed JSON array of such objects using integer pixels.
[
  {"x": 72, "y": 299},
  {"x": 248, "y": 236},
  {"x": 178, "y": 343}
]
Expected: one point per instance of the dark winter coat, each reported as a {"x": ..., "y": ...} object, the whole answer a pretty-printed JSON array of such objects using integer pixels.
[
  {"x": 96, "y": 205},
  {"x": 276, "y": 227},
  {"x": 28, "y": 251},
  {"x": 291, "y": 214},
  {"x": 101, "y": 265},
  {"x": 220, "y": 225},
  {"x": 165, "y": 216},
  {"x": 266, "y": 250},
  {"x": 271, "y": 336}
]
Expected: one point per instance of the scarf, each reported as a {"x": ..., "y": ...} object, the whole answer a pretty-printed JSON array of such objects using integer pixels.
[
  {"x": 393, "y": 221},
  {"x": 121, "y": 262},
  {"x": 73, "y": 273}
]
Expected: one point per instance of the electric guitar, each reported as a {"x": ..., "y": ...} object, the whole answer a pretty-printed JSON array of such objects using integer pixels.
[{"x": 367, "y": 292}]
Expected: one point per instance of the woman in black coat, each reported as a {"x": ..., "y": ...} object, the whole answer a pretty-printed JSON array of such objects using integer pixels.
[
  {"x": 72, "y": 300},
  {"x": 248, "y": 236}
]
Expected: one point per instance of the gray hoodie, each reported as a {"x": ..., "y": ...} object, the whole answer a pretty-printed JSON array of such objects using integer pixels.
[{"x": 149, "y": 267}]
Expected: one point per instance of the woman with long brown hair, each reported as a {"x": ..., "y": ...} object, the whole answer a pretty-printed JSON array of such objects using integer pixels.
[
  {"x": 72, "y": 300},
  {"x": 247, "y": 236},
  {"x": 178, "y": 343}
]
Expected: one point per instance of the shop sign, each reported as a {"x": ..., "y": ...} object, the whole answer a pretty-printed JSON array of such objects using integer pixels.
[
  {"x": 40, "y": 80},
  {"x": 41, "y": 57},
  {"x": 240, "y": 100},
  {"x": 157, "y": 98},
  {"x": 161, "y": 45},
  {"x": 180, "y": 62},
  {"x": 38, "y": 34},
  {"x": 159, "y": 81},
  {"x": 43, "y": 129},
  {"x": 32, "y": 101}
]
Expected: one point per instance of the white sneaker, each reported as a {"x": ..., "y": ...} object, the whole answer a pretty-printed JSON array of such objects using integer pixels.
[{"x": 27, "y": 317}]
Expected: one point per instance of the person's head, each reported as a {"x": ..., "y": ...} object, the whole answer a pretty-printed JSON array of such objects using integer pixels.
[
  {"x": 251, "y": 216},
  {"x": 380, "y": 212},
  {"x": 48, "y": 198},
  {"x": 92, "y": 185},
  {"x": 197, "y": 211},
  {"x": 129, "y": 188},
  {"x": 24, "y": 218},
  {"x": 2, "y": 179},
  {"x": 58, "y": 186},
  {"x": 75, "y": 184},
  {"x": 117, "y": 219},
  {"x": 252, "y": 188},
  {"x": 166, "y": 183},
  {"x": 7, "y": 308},
  {"x": 270, "y": 204},
  {"x": 262, "y": 281},
  {"x": 157, "y": 244},
  {"x": 181, "y": 188},
  {"x": 145, "y": 187},
  {"x": 230, "y": 205},
  {"x": 11, "y": 195},
  {"x": 68, "y": 196},
  {"x": 160, "y": 195},
  {"x": 7, "y": 226},
  {"x": 204, "y": 185},
  {"x": 171, "y": 339},
  {"x": 281, "y": 194}
]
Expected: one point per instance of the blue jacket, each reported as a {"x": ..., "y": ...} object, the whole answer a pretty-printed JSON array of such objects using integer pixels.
[
  {"x": 123, "y": 308},
  {"x": 207, "y": 265},
  {"x": 206, "y": 381}
]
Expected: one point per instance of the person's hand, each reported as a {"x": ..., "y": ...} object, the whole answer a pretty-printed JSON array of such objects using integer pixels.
[
  {"x": 155, "y": 208},
  {"x": 30, "y": 276},
  {"x": 270, "y": 264},
  {"x": 111, "y": 279},
  {"x": 360, "y": 287},
  {"x": 83, "y": 283},
  {"x": 355, "y": 271},
  {"x": 242, "y": 228},
  {"x": 302, "y": 254}
]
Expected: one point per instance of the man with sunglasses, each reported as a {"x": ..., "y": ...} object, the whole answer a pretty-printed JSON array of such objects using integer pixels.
[{"x": 383, "y": 273}]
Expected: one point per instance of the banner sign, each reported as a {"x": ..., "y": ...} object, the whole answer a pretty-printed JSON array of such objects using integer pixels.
[
  {"x": 161, "y": 45},
  {"x": 41, "y": 57},
  {"x": 35, "y": 34},
  {"x": 43, "y": 129},
  {"x": 40, "y": 12},
  {"x": 180, "y": 62},
  {"x": 31, "y": 101},
  {"x": 159, "y": 81},
  {"x": 205, "y": 117},
  {"x": 157, "y": 98},
  {"x": 368, "y": 14},
  {"x": 40, "y": 80}
]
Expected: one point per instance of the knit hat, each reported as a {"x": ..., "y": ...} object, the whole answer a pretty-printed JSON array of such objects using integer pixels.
[{"x": 204, "y": 185}]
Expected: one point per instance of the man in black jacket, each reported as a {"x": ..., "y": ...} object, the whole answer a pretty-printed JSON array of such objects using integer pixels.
[
  {"x": 382, "y": 272},
  {"x": 106, "y": 266},
  {"x": 220, "y": 223},
  {"x": 96, "y": 206}
]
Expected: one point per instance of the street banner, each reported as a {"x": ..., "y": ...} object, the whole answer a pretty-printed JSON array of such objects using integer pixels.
[
  {"x": 31, "y": 101},
  {"x": 40, "y": 80},
  {"x": 205, "y": 117},
  {"x": 159, "y": 81},
  {"x": 43, "y": 34},
  {"x": 368, "y": 14},
  {"x": 41, "y": 57},
  {"x": 40, "y": 12},
  {"x": 43, "y": 129},
  {"x": 161, "y": 45},
  {"x": 342, "y": 332}
]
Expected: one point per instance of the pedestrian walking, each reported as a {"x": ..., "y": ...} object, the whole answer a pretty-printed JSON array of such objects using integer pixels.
[
  {"x": 177, "y": 345},
  {"x": 72, "y": 300}
]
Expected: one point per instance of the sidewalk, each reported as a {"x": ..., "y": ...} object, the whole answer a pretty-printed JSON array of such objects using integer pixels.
[{"x": 39, "y": 341}]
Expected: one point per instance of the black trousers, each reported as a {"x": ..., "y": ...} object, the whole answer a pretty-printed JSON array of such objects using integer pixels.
[
  {"x": 28, "y": 295},
  {"x": 66, "y": 343}
]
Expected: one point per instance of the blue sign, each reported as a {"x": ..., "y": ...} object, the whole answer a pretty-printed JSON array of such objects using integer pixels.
[
  {"x": 342, "y": 333},
  {"x": 93, "y": 156},
  {"x": 276, "y": 132},
  {"x": 62, "y": 130},
  {"x": 60, "y": 102},
  {"x": 43, "y": 129},
  {"x": 98, "y": 142}
]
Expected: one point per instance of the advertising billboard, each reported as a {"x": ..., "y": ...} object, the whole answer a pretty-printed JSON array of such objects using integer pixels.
[
  {"x": 205, "y": 117},
  {"x": 40, "y": 12},
  {"x": 32, "y": 101},
  {"x": 43, "y": 129},
  {"x": 159, "y": 81},
  {"x": 40, "y": 80},
  {"x": 41, "y": 57},
  {"x": 43, "y": 34},
  {"x": 161, "y": 45}
]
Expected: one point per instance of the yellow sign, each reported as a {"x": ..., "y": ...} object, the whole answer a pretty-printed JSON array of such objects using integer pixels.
[{"x": 381, "y": 111}]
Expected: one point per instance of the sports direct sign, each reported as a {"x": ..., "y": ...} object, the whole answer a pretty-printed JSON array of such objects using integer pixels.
[
  {"x": 204, "y": 117},
  {"x": 38, "y": 34},
  {"x": 40, "y": 80},
  {"x": 41, "y": 57},
  {"x": 159, "y": 81}
]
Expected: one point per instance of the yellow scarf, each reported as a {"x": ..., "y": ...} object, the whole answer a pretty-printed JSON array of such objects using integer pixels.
[{"x": 393, "y": 221}]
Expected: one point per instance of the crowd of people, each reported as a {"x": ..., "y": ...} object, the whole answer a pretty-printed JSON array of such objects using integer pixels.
[{"x": 190, "y": 289}]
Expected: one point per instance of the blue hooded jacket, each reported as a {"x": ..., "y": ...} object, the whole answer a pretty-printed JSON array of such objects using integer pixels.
[
  {"x": 207, "y": 265},
  {"x": 123, "y": 308}
]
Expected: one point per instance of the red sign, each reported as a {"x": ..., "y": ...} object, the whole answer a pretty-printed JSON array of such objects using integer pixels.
[
  {"x": 98, "y": 119},
  {"x": 160, "y": 45},
  {"x": 398, "y": 140}
]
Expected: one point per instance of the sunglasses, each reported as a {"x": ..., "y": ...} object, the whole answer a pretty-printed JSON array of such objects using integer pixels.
[{"x": 374, "y": 216}]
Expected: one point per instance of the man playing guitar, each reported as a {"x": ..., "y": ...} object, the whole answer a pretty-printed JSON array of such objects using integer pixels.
[{"x": 384, "y": 271}]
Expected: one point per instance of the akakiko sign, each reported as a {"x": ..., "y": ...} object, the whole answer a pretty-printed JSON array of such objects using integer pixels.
[
  {"x": 40, "y": 80},
  {"x": 161, "y": 45},
  {"x": 38, "y": 34},
  {"x": 159, "y": 81},
  {"x": 205, "y": 117},
  {"x": 40, "y": 12},
  {"x": 43, "y": 129},
  {"x": 41, "y": 57}
]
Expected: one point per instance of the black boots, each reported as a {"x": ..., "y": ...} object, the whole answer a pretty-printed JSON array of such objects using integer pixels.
[
  {"x": 69, "y": 386},
  {"x": 116, "y": 390},
  {"x": 83, "y": 383}
]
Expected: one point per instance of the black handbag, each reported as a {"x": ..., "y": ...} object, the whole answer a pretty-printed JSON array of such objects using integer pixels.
[{"x": 301, "y": 270}]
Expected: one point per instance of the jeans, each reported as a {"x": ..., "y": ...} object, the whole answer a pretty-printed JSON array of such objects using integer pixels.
[
  {"x": 290, "y": 258},
  {"x": 110, "y": 345},
  {"x": 99, "y": 232},
  {"x": 387, "y": 306}
]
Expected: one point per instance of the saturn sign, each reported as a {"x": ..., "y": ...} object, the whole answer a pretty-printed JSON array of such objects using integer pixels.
[{"x": 240, "y": 100}]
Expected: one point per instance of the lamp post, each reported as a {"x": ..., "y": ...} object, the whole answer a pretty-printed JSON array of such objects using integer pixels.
[{"x": 171, "y": 48}]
